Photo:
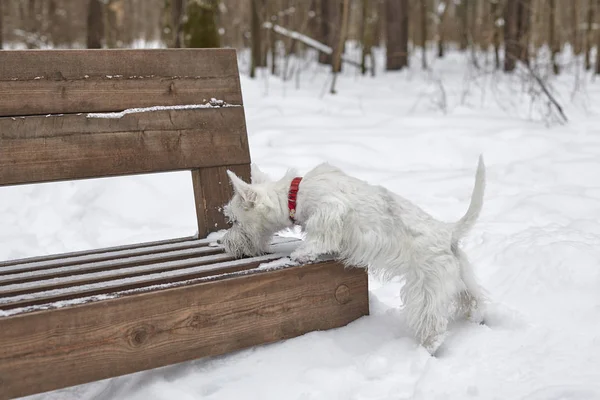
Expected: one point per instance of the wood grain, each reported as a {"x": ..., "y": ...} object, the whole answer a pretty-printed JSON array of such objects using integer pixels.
[
  {"x": 55, "y": 148},
  {"x": 52, "y": 257},
  {"x": 213, "y": 271},
  {"x": 107, "y": 255},
  {"x": 212, "y": 190},
  {"x": 115, "y": 269},
  {"x": 49, "y": 350},
  {"x": 73, "y": 81}
]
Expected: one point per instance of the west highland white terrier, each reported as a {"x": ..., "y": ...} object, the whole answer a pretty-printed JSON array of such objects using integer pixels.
[{"x": 366, "y": 226}]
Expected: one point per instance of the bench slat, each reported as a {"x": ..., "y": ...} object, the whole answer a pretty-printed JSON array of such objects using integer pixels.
[
  {"x": 148, "y": 282},
  {"x": 51, "y": 257},
  {"x": 99, "y": 257},
  {"x": 54, "y": 152},
  {"x": 104, "y": 266},
  {"x": 73, "y": 81},
  {"x": 118, "y": 267},
  {"x": 120, "y": 256},
  {"x": 112, "y": 274}
]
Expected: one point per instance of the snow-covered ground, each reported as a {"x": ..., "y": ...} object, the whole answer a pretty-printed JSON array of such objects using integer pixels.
[{"x": 536, "y": 247}]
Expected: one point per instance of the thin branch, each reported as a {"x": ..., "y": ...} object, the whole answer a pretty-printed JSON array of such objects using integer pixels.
[{"x": 310, "y": 42}]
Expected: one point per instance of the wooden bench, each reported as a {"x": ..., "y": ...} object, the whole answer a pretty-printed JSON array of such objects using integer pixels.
[{"x": 74, "y": 318}]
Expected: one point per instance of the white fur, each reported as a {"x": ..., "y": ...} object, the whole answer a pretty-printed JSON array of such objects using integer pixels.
[{"x": 367, "y": 226}]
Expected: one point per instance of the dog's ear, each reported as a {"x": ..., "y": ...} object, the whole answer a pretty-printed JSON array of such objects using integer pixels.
[
  {"x": 257, "y": 175},
  {"x": 242, "y": 188}
]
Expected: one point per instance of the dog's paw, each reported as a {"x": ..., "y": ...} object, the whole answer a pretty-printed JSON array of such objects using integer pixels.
[
  {"x": 304, "y": 256},
  {"x": 433, "y": 343}
]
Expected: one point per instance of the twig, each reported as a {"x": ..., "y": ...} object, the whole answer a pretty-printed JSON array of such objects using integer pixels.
[{"x": 546, "y": 91}]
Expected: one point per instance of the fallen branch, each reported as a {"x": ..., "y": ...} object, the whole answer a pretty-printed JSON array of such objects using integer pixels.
[{"x": 310, "y": 42}]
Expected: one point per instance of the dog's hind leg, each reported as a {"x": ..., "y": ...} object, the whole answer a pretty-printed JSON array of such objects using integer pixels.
[
  {"x": 427, "y": 295},
  {"x": 471, "y": 300}
]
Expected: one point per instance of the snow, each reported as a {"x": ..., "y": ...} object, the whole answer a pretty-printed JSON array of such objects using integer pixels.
[
  {"x": 213, "y": 103},
  {"x": 536, "y": 247}
]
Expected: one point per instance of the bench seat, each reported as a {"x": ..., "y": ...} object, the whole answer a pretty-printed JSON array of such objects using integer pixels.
[{"x": 79, "y": 317}]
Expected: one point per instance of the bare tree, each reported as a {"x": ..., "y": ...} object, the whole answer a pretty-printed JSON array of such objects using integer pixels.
[
  {"x": 424, "y": 10},
  {"x": 200, "y": 27},
  {"x": 598, "y": 41},
  {"x": 114, "y": 16},
  {"x": 494, "y": 10},
  {"x": 517, "y": 15},
  {"x": 1, "y": 27},
  {"x": 330, "y": 19},
  {"x": 441, "y": 13},
  {"x": 368, "y": 24},
  {"x": 589, "y": 34},
  {"x": 396, "y": 27},
  {"x": 95, "y": 29},
  {"x": 524, "y": 29},
  {"x": 510, "y": 35},
  {"x": 462, "y": 9},
  {"x": 255, "y": 36},
  {"x": 575, "y": 37},
  {"x": 337, "y": 56},
  {"x": 176, "y": 22},
  {"x": 554, "y": 43}
]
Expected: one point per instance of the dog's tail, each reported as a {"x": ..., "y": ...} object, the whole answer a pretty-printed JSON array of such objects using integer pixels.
[{"x": 464, "y": 225}]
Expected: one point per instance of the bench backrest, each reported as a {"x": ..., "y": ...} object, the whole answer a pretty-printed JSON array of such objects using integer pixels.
[{"x": 76, "y": 114}]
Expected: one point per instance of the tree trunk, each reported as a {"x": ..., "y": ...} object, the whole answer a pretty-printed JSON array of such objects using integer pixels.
[
  {"x": 495, "y": 32},
  {"x": 176, "y": 22},
  {"x": 95, "y": 28},
  {"x": 330, "y": 21},
  {"x": 598, "y": 42},
  {"x": 575, "y": 37},
  {"x": 589, "y": 34},
  {"x": 366, "y": 35},
  {"x": 200, "y": 28},
  {"x": 255, "y": 36},
  {"x": 523, "y": 29},
  {"x": 424, "y": 19},
  {"x": 441, "y": 29},
  {"x": 396, "y": 27},
  {"x": 113, "y": 24},
  {"x": 273, "y": 48},
  {"x": 337, "y": 56},
  {"x": 474, "y": 32},
  {"x": 1, "y": 26},
  {"x": 463, "y": 13},
  {"x": 553, "y": 42},
  {"x": 511, "y": 47},
  {"x": 517, "y": 26}
]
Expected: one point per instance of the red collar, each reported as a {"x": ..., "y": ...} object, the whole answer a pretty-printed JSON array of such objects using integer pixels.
[{"x": 292, "y": 195}]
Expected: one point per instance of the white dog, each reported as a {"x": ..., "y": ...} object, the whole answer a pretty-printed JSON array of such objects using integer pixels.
[{"x": 365, "y": 226}]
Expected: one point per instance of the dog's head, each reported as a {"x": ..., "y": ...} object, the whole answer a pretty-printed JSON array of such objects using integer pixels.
[{"x": 254, "y": 212}]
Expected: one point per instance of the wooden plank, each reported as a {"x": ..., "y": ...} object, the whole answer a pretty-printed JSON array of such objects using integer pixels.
[
  {"x": 108, "y": 255},
  {"x": 134, "y": 120},
  {"x": 49, "y": 350},
  {"x": 112, "y": 274},
  {"x": 119, "y": 264},
  {"x": 212, "y": 190},
  {"x": 111, "y": 260},
  {"x": 52, "y": 257},
  {"x": 155, "y": 280},
  {"x": 72, "y": 81},
  {"x": 41, "y": 155}
]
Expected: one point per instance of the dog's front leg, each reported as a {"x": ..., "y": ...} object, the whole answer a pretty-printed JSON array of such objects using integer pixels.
[{"x": 323, "y": 232}]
